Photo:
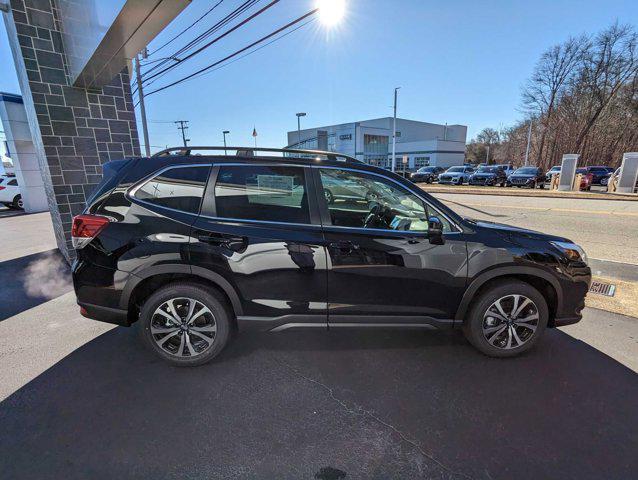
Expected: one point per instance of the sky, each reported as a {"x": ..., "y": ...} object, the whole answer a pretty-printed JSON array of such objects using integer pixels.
[{"x": 460, "y": 62}]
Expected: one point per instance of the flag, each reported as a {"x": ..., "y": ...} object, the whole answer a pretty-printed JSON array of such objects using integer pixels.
[{"x": 254, "y": 132}]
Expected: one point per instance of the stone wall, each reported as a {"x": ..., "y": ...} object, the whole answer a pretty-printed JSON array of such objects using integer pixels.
[{"x": 75, "y": 130}]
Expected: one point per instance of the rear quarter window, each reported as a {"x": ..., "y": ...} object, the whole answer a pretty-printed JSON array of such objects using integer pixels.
[{"x": 177, "y": 188}]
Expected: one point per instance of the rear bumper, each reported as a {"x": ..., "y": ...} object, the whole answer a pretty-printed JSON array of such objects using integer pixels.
[{"x": 105, "y": 314}]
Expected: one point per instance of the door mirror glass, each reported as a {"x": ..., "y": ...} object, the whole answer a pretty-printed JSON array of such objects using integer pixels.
[{"x": 435, "y": 230}]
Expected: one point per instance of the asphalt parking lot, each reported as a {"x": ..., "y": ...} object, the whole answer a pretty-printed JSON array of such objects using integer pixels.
[{"x": 81, "y": 399}]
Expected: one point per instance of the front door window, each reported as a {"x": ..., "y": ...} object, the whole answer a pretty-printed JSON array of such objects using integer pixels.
[{"x": 358, "y": 200}]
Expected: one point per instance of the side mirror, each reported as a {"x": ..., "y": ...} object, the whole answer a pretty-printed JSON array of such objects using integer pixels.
[{"x": 435, "y": 231}]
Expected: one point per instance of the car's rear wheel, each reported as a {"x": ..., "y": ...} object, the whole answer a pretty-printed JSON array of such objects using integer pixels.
[
  {"x": 18, "y": 202},
  {"x": 507, "y": 319},
  {"x": 185, "y": 324}
]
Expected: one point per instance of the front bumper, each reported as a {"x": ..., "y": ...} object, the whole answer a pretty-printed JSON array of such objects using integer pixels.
[
  {"x": 482, "y": 181},
  {"x": 450, "y": 180}
]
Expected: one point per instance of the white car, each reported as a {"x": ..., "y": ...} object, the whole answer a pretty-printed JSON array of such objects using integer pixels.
[{"x": 10, "y": 192}]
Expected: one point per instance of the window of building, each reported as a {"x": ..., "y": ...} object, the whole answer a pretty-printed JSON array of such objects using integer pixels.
[
  {"x": 265, "y": 193},
  {"x": 375, "y": 144},
  {"x": 421, "y": 162},
  {"x": 179, "y": 188},
  {"x": 359, "y": 200}
]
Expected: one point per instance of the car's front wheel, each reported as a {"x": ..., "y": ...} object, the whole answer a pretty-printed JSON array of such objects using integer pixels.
[
  {"x": 185, "y": 324},
  {"x": 507, "y": 319}
]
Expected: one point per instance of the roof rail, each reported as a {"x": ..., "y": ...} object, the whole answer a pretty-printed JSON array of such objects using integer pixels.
[{"x": 250, "y": 151}]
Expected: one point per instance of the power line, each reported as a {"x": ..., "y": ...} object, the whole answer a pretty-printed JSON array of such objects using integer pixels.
[
  {"x": 187, "y": 28},
  {"x": 228, "y": 32},
  {"x": 228, "y": 57},
  {"x": 255, "y": 50},
  {"x": 203, "y": 36}
]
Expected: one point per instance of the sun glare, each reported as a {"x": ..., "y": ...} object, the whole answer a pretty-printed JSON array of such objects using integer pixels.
[{"x": 331, "y": 11}]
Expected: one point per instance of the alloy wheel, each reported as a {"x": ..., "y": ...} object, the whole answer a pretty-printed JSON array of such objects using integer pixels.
[
  {"x": 510, "y": 321},
  {"x": 183, "y": 327}
]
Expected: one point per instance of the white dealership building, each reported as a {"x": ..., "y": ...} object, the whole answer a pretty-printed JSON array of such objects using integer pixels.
[{"x": 370, "y": 141}]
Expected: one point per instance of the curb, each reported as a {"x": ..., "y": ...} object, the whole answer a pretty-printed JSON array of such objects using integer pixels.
[{"x": 503, "y": 192}]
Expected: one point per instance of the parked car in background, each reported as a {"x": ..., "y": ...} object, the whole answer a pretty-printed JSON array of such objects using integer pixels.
[
  {"x": 456, "y": 175},
  {"x": 426, "y": 174},
  {"x": 488, "y": 175},
  {"x": 529, "y": 177},
  {"x": 10, "y": 194},
  {"x": 605, "y": 181},
  {"x": 554, "y": 170},
  {"x": 196, "y": 247},
  {"x": 597, "y": 173},
  {"x": 507, "y": 168}
]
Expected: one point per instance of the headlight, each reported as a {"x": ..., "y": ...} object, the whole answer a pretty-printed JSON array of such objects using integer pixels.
[{"x": 572, "y": 251}]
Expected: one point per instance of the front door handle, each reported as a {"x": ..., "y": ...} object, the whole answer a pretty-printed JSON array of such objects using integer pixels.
[{"x": 343, "y": 246}]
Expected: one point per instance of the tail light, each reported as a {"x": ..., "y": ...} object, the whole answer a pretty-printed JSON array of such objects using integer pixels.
[
  {"x": 2, "y": 188},
  {"x": 85, "y": 228}
]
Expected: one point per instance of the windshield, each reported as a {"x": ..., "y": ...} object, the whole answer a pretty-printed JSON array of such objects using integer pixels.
[
  {"x": 527, "y": 171},
  {"x": 455, "y": 169},
  {"x": 487, "y": 169},
  {"x": 425, "y": 169}
]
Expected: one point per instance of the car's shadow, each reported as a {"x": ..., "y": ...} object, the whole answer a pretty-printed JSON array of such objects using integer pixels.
[{"x": 316, "y": 404}]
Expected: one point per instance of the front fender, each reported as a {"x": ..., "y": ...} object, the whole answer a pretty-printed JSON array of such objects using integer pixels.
[{"x": 485, "y": 277}]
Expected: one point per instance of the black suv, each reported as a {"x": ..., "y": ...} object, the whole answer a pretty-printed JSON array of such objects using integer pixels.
[
  {"x": 426, "y": 174},
  {"x": 194, "y": 247},
  {"x": 488, "y": 175},
  {"x": 527, "y": 177}
]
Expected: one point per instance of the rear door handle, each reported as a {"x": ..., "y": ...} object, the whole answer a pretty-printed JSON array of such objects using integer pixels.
[
  {"x": 232, "y": 242},
  {"x": 343, "y": 246}
]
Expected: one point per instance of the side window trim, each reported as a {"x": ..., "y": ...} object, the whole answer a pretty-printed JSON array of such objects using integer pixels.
[
  {"x": 325, "y": 214},
  {"x": 130, "y": 194}
]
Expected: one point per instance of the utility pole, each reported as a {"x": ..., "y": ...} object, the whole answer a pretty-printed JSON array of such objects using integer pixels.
[
  {"x": 225, "y": 132},
  {"x": 394, "y": 131},
  {"x": 140, "y": 92},
  {"x": 183, "y": 126},
  {"x": 529, "y": 139},
  {"x": 487, "y": 157},
  {"x": 299, "y": 115}
]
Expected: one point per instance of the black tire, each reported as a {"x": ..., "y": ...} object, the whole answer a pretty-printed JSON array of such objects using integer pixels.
[
  {"x": 17, "y": 202},
  {"x": 533, "y": 186},
  {"x": 474, "y": 321},
  {"x": 213, "y": 300},
  {"x": 542, "y": 186}
]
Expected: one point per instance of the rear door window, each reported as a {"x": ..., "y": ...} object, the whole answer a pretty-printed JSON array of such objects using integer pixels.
[
  {"x": 262, "y": 192},
  {"x": 178, "y": 188}
]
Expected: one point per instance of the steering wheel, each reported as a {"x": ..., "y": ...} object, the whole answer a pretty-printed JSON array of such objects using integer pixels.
[{"x": 378, "y": 217}]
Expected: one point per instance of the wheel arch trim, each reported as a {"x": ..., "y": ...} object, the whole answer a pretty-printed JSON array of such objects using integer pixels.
[
  {"x": 485, "y": 277},
  {"x": 185, "y": 269}
]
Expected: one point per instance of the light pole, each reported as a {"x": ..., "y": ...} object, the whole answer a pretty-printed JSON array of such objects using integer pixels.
[
  {"x": 225, "y": 132},
  {"x": 394, "y": 131},
  {"x": 299, "y": 115},
  {"x": 140, "y": 90}
]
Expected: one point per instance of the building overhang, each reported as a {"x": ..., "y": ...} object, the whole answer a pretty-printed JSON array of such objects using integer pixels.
[{"x": 101, "y": 38}]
